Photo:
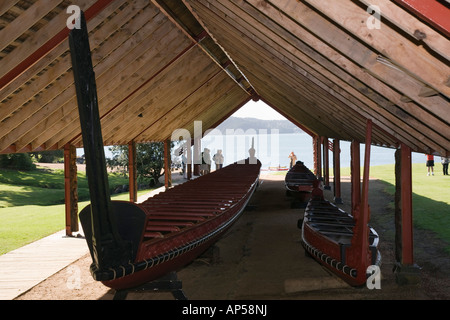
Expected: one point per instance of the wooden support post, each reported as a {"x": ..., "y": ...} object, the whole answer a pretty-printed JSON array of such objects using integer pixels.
[
  {"x": 132, "y": 171},
  {"x": 355, "y": 172},
  {"x": 70, "y": 188},
  {"x": 326, "y": 164},
  {"x": 189, "y": 159},
  {"x": 359, "y": 254},
  {"x": 337, "y": 171},
  {"x": 406, "y": 202},
  {"x": 406, "y": 271},
  {"x": 317, "y": 157},
  {"x": 167, "y": 165},
  {"x": 197, "y": 155}
]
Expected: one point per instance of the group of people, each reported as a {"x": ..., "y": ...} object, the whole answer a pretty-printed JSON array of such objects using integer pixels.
[
  {"x": 430, "y": 165},
  {"x": 205, "y": 167},
  {"x": 218, "y": 159}
]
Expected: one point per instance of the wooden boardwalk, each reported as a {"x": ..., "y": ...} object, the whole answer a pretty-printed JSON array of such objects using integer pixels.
[{"x": 25, "y": 267}]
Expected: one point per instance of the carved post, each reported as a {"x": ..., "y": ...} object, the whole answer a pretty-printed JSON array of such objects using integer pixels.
[
  {"x": 317, "y": 157},
  {"x": 355, "y": 168},
  {"x": 337, "y": 171},
  {"x": 326, "y": 165},
  {"x": 132, "y": 171},
  {"x": 167, "y": 164},
  {"x": 108, "y": 248},
  {"x": 70, "y": 188}
]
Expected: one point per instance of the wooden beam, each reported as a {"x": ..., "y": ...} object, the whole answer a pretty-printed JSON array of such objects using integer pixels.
[
  {"x": 71, "y": 189},
  {"x": 199, "y": 86},
  {"x": 407, "y": 116},
  {"x": 250, "y": 90},
  {"x": 47, "y": 104},
  {"x": 189, "y": 74},
  {"x": 412, "y": 25},
  {"x": 361, "y": 55},
  {"x": 5, "y": 5},
  {"x": 379, "y": 113},
  {"x": 50, "y": 61},
  {"x": 410, "y": 57},
  {"x": 26, "y": 20},
  {"x": 44, "y": 41},
  {"x": 433, "y": 12},
  {"x": 220, "y": 95},
  {"x": 238, "y": 42},
  {"x": 209, "y": 113},
  {"x": 131, "y": 77}
]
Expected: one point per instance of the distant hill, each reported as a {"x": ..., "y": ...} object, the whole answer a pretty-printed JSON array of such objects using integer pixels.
[{"x": 283, "y": 126}]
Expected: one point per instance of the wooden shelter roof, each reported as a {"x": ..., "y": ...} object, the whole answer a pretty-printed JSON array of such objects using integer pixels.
[{"x": 162, "y": 64}]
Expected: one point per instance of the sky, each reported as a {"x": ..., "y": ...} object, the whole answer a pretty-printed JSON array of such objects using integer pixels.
[{"x": 258, "y": 110}]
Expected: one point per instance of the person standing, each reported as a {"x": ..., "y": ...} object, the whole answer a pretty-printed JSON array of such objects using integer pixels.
[
  {"x": 205, "y": 167},
  {"x": 445, "y": 162},
  {"x": 430, "y": 164},
  {"x": 293, "y": 159},
  {"x": 218, "y": 159}
]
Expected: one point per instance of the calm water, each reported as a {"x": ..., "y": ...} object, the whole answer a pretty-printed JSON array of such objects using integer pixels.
[{"x": 273, "y": 150}]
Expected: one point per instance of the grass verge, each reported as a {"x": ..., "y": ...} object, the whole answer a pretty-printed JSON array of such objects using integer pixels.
[{"x": 32, "y": 204}]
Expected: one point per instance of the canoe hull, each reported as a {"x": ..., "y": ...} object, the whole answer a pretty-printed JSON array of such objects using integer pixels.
[
  {"x": 327, "y": 234},
  {"x": 300, "y": 182},
  {"x": 155, "y": 256}
]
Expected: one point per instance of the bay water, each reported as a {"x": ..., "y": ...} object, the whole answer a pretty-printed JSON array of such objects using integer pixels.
[{"x": 273, "y": 149}]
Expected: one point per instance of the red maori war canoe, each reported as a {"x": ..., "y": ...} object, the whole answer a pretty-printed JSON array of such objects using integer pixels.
[
  {"x": 299, "y": 181},
  {"x": 177, "y": 225},
  {"x": 332, "y": 237},
  {"x": 133, "y": 244}
]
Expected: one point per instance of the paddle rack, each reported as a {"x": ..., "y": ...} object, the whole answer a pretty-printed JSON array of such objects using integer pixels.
[{"x": 167, "y": 283}]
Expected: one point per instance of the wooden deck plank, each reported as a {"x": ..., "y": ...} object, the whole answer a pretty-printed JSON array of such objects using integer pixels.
[{"x": 23, "y": 268}]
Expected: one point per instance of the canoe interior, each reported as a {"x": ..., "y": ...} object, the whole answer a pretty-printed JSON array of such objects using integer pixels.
[
  {"x": 327, "y": 234},
  {"x": 299, "y": 179}
]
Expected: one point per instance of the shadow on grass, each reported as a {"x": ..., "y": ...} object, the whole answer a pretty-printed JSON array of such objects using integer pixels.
[
  {"x": 429, "y": 215},
  {"x": 25, "y": 195},
  {"x": 43, "y": 187}
]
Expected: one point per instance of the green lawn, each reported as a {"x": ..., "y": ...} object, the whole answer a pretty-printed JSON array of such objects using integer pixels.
[
  {"x": 431, "y": 196},
  {"x": 32, "y": 204}
]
